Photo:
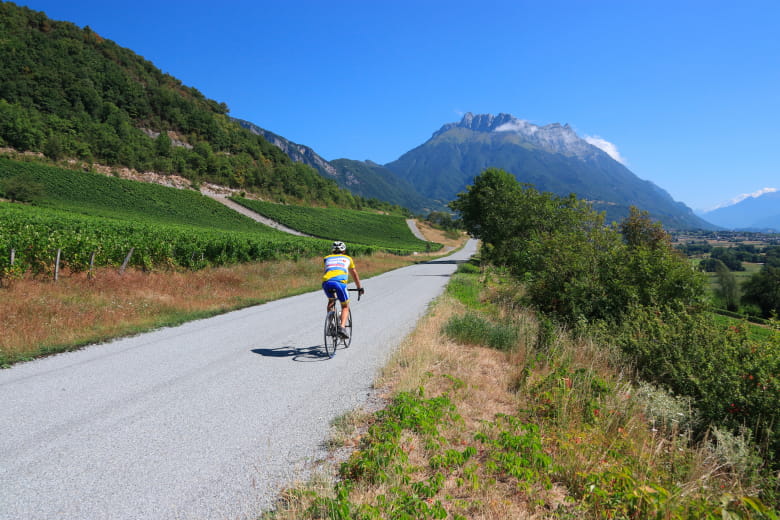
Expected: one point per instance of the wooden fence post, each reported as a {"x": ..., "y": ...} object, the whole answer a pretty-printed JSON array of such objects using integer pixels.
[
  {"x": 90, "y": 274},
  {"x": 13, "y": 256},
  {"x": 127, "y": 260},
  {"x": 57, "y": 266}
]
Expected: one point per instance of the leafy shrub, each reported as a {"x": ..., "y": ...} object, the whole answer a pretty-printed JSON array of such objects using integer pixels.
[{"x": 733, "y": 378}]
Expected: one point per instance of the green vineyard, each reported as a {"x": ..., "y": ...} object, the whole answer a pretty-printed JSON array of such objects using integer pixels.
[
  {"x": 103, "y": 196},
  {"x": 35, "y": 234},
  {"x": 351, "y": 226},
  {"x": 96, "y": 220}
]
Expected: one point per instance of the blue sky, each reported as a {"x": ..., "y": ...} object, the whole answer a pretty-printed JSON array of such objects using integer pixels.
[{"x": 687, "y": 91}]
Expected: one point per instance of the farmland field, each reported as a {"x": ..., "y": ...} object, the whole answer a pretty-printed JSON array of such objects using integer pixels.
[
  {"x": 100, "y": 195},
  {"x": 351, "y": 226},
  {"x": 92, "y": 217},
  {"x": 35, "y": 234}
]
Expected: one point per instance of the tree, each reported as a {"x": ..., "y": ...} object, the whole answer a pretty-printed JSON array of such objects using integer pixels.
[
  {"x": 162, "y": 144},
  {"x": 506, "y": 215},
  {"x": 729, "y": 290},
  {"x": 728, "y": 256},
  {"x": 763, "y": 289},
  {"x": 53, "y": 148},
  {"x": 639, "y": 230}
]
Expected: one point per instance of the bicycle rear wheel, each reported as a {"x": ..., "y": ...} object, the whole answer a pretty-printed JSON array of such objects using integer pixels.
[{"x": 331, "y": 334}]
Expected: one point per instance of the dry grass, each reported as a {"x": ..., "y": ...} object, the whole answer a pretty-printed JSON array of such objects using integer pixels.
[
  {"x": 437, "y": 235},
  {"x": 426, "y": 356},
  {"x": 40, "y": 316}
]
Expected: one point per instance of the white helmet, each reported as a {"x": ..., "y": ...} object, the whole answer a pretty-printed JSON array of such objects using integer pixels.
[{"x": 339, "y": 247}]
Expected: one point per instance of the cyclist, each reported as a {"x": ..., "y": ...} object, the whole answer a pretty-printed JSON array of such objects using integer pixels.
[{"x": 338, "y": 267}]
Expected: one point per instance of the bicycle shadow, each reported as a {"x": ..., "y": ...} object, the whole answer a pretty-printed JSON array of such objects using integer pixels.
[{"x": 302, "y": 354}]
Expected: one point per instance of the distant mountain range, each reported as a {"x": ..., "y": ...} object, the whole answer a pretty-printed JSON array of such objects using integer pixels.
[
  {"x": 760, "y": 213},
  {"x": 365, "y": 178},
  {"x": 552, "y": 158}
]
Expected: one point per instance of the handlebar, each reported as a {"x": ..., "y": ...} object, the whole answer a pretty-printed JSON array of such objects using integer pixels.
[{"x": 359, "y": 291}]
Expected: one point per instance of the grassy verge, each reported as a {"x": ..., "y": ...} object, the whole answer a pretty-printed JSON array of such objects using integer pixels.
[
  {"x": 44, "y": 317},
  {"x": 542, "y": 425}
]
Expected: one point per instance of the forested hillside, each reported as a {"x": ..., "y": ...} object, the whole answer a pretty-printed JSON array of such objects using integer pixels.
[{"x": 69, "y": 93}]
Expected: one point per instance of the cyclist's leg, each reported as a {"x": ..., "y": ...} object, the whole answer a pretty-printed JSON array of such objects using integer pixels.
[
  {"x": 343, "y": 297},
  {"x": 344, "y": 313}
]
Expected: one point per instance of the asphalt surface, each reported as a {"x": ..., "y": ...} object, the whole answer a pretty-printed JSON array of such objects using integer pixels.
[{"x": 207, "y": 420}]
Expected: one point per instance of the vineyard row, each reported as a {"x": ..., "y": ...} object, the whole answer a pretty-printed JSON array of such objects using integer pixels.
[{"x": 35, "y": 235}]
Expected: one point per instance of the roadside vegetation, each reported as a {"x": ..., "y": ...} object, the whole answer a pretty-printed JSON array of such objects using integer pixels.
[
  {"x": 580, "y": 374},
  {"x": 44, "y": 317},
  {"x": 494, "y": 412},
  {"x": 51, "y": 317}
]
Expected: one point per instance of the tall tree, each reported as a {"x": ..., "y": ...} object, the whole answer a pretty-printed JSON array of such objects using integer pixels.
[{"x": 763, "y": 289}]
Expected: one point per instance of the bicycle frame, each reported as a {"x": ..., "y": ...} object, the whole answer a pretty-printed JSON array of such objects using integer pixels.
[{"x": 332, "y": 323}]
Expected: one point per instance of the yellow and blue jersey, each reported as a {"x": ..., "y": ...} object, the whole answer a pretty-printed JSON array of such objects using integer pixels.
[{"x": 337, "y": 268}]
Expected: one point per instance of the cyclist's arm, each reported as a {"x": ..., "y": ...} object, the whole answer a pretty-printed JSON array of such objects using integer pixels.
[{"x": 354, "y": 274}]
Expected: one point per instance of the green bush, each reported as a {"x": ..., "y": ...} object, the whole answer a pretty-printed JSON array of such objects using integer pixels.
[
  {"x": 473, "y": 329},
  {"x": 733, "y": 378}
]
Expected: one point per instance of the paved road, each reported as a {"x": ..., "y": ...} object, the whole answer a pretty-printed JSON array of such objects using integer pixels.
[
  {"x": 414, "y": 229},
  {"x": 202, "y": 421}
]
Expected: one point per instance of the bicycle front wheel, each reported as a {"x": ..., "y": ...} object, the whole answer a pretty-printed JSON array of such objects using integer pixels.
[{"x": 331, "y": 334}]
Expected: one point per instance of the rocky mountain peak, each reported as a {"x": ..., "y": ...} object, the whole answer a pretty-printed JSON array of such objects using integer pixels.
[{"x": 555, "y": 138}]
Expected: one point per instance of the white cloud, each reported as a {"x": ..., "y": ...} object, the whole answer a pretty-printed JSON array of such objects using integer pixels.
[
  {"x": 518, "y": 125},
  {"x": 606, "y": 146}
]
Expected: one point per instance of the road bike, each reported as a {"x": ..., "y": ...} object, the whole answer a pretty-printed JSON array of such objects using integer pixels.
[{"x": 332, "y": 322}]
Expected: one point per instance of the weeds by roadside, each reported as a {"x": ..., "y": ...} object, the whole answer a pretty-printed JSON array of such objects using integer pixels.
[{"x": 553, "y": 427}]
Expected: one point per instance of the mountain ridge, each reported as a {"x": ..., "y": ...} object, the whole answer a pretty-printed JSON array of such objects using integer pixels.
[
  {"x": 760, "y": 213},
  {"x": 552, "y": 158}
]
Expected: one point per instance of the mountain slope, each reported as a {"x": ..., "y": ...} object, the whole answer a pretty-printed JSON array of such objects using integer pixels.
[
  {"x": 69, "y": 93},
  {"x": 552, "y": 158},
  {"x": 368, "y": 179},
  {"x": 753, "y": 213},
  {"x": 297, "y": 152},
  {"x": 365, "y": 179}
]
